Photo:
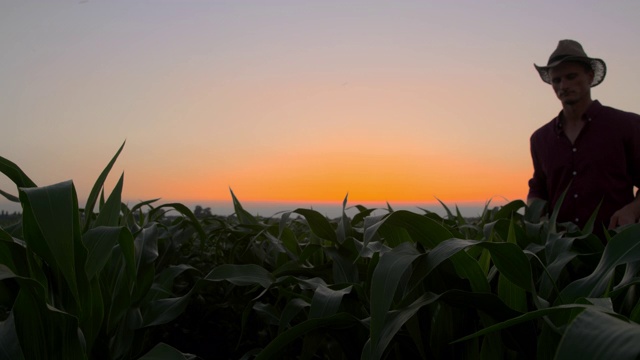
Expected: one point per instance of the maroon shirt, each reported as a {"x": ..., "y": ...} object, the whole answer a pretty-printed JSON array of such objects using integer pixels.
[{"x": 603, "y": 164}]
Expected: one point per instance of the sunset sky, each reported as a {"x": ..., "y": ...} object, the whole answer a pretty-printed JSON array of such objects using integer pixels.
[{"x": 388, "y": 101}]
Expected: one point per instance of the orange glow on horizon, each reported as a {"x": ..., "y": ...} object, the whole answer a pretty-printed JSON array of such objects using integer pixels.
[{"x": 324, "y": 178}]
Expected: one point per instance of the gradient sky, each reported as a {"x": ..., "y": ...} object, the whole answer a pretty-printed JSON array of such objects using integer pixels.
[{"x": 398, "y": 101}]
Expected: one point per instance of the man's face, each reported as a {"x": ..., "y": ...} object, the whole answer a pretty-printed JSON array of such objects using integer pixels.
[{"x": 571, "y": 82}]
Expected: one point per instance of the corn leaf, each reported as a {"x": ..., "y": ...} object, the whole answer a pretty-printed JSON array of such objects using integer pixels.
[
  {"x": 326, "y": 301},
  {"x": 596, "y": 335},
  {"x": 623, "y": 248},
  {"x": 163, "y": 351},
  {"x": 13, "y": 172},
  {"x": 384, "y": 283},
  {"x": 97, "y": 188},
  {"x": 241, "y": 275},
  {"x": 49, "y": 228},
  {"x": 110, "y": 213}
]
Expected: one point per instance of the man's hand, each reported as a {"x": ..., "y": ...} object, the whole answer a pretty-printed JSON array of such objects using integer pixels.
[{"x": 629, "y": 214}]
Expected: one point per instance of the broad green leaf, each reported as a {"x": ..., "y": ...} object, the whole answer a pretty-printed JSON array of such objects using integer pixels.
[
  {"x": 596, "y": 335},
  {"x": 507, "y": 210},
  {"x": 558, "y": 252},
  {"x": 99, "y": 242},
  {"x": 623, "y": 248},
  {"x": 508, "y": 258},
  {"x": 9, "y": 342},
  {"x": 163, "y": 351},
  {"x": 395, "y": 321},
  {"x": 535, "y": 210},
  {"x": 164, "y": 310},
  {"x": 384, "y": 283},
  {"x": 514, "y": 296},
  {"x": 318, "y": 224},
  {"x": 13, "y": 254},
  {"x": 553, "y": 219},
  {"x": 41, "y": 329},
  {"x": 531, "y": 315},
  {"x": 241, "y": 275},
  {"x": 163, "y": 284},
  {"x": 422, "y": 229},
  {"x": 146, "y": 245},
  {"x": 272, "y": 350},
  {"x": 118, "y": 278},
  {"x": 13, "y": 172},
  {"x": 193, "y": 221},
  {"x": 291, "y": 309},
  {"x": 49, "y": 228},
  {"x": 345, "y": 271},
  {"x": 326, "y": 301}
]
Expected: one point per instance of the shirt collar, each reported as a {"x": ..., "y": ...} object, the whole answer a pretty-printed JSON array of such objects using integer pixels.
[{"x": 588, "y": 115}]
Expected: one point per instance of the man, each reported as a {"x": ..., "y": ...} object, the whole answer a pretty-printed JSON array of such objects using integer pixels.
[{"x": 590, "y": 150}]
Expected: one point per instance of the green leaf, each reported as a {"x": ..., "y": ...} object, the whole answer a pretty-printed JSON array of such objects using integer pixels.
[
  {"x": 9, "y": 197},
  {"x": 100, "y": 242},
  {"x": 326, "y": 301},
  {"x": 243, "y": 216},
  {"x": 507, "y": 210},
  {"x": 97, "y": 187},
  {"x": 596, "y": 335},
  {"x": 340, "y": 320},
  {"x": 163, "y": 351},
  {"x": 508, "y": 258},
  {"x": 291, "y": 309},
  {"x": 193, "y": 221},
  {"x": 162, "y": 311},
  {"x": 9, "y": 342},
  {"x": 49, "y": 229},
  {"x": 241, "y": 275},
  {"x": 344, "y": 226},
  {"x": 41, "y": 329},
  {"x": 344, "y": 268},
  {"x": 146, "y": 245},
  {"x": 318, "y": 224},
  {"x": 623, "y": 248},
  {"x": 13, "y": 172},
  {"x": 110, "y": 213},
  {"x": 384, "y": 283}
]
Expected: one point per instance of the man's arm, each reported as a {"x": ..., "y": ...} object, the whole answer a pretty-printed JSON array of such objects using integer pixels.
[{"x": 532, "y": 200}]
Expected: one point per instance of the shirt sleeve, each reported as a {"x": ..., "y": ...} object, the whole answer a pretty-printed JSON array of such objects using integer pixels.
[
  {"x": 537, "y": 183},
  {"x": 634, "y": 152}
]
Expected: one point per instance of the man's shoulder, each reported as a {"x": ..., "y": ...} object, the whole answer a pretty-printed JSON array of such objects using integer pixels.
[
  {"x": 612, "y": 112},
  {"x": 545, "y": 130}
]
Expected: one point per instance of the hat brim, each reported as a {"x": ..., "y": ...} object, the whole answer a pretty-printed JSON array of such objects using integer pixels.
[{"x": 598, "y": 66}]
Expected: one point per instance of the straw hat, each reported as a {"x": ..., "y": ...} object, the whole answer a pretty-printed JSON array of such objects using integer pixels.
[{"x": 571, "y": 50}]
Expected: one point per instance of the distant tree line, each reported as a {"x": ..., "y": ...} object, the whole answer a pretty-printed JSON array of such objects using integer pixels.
[{"x": 7, "y": 218}]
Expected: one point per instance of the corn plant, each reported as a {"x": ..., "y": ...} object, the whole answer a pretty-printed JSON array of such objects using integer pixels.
[
  {"x": 409, "y": 285},
  {"x": 81, "y": 284}
]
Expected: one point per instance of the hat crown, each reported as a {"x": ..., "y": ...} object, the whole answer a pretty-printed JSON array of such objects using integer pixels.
[{"x": 567, "y": 48}]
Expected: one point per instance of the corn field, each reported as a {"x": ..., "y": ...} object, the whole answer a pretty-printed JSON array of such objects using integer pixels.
[{"x": 109, "y": 281}]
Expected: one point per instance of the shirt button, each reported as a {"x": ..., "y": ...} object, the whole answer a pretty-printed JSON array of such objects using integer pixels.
[
  {"x": 574, "y": 149},
  {"x": 575, "y": 196},
  {"x": 575, "y": 173},
  {"x": 577, "y": 220}
]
